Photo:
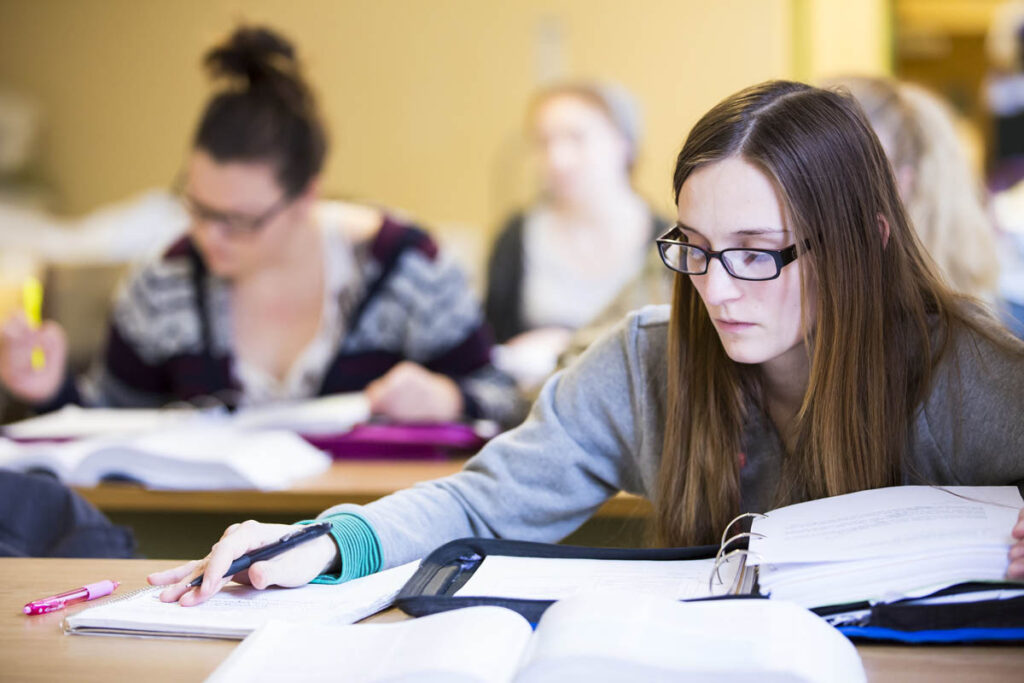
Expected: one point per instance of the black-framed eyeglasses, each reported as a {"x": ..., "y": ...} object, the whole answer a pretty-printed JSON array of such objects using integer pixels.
[
  {"x": 233, "y": 223},
  {"x": 743, "y": 264}
]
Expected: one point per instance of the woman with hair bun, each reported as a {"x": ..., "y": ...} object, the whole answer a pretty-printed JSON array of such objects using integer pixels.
[{"x": 274, "y": 294}]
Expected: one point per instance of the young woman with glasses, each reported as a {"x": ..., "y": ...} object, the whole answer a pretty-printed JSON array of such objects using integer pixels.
[
  {"x": 275, "y": 294},
  {"x": 810, "y": 350}
]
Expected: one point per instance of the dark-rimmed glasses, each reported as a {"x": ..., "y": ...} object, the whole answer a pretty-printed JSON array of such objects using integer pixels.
[
  {"x": 233, "y": 224},
  {"x": 744, "y": 264}
]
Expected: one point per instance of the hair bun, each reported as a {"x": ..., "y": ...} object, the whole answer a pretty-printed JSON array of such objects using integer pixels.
[{"x": 257, "y": 56}]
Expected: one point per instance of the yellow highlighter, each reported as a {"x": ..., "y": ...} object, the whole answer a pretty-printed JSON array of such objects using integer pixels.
[{"x": 32, "y": 302}]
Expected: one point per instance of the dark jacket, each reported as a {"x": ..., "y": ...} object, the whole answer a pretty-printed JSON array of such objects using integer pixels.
[{"x": 40, "y": 517}]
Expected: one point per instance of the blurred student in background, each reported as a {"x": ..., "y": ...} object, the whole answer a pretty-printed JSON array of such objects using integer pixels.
[
  {"x": 559, "y": 263},
  {"x": 943, "y": 196},
  {"x": 274, "y": 294}
]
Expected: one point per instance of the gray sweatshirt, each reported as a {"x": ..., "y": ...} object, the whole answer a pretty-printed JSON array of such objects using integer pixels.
[{"x": 597, "y": 429}]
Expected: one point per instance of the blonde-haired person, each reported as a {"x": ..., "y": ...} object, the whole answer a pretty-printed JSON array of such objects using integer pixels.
[
  {"x": 810, "y": 351},
  {"x": 943, "y": 195}
]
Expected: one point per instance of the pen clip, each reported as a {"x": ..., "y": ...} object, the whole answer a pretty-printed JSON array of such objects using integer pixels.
[{"x": 326, "y": 526}]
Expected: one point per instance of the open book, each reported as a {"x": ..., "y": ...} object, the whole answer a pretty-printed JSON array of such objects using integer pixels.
[
  {"x": 338, "y": 424},
  {"x": 324, "y": 415},
  {"x": 195, "y": 458},
  {"x": 602, "y": 637},
  {"x": 239, "y": 610}
]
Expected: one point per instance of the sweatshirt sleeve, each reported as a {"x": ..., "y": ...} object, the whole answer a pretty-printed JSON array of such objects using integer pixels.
[
  {"x": 539, "y": 481},
  {"x": 970, "y": 430}
]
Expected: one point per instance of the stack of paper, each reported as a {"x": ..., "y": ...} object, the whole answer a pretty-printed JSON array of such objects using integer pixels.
[{"x": 885, "y": 544}]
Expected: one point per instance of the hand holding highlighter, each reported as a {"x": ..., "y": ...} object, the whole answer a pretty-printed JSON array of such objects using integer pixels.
[{"x": 32, "y": 302}]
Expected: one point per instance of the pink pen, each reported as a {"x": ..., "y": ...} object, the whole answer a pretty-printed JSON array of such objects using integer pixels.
[{"x": 62, "y": 600}]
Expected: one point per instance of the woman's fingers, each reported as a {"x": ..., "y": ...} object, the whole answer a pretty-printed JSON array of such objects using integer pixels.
[
  {"x": 231, "y": 529},
  {"x": 296, "y": 567},
  {"x": 172, "y": 575},
  {"x": 1018, "y": 528},
  {"x": 236, "y": 540},
  {"x": 180, "y": 585},
  {"x": 410, "y": 392},
  {"x": 1016, "y": 568}
]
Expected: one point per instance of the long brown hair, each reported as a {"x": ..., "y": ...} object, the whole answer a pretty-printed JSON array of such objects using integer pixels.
[{"x": 882, "y": 319}]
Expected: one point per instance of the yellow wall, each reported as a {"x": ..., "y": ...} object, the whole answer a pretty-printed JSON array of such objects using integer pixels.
[
  {"x": 840, "y": 37},
  {"x": 424, "y": 98}
]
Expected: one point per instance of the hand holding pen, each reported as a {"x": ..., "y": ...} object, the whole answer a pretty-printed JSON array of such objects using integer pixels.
[{"x": 258, "y": 554}]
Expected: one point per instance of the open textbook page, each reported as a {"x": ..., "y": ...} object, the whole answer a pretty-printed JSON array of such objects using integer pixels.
[
  {"x": 624, "y": 637},
  {"x": 885, "y": 544},
  {"x": 198, "y": 458},
  {"x": 477, "y": 644},
  {"x": 239, "y": 610},
  {"x": 595, "y": 637}
]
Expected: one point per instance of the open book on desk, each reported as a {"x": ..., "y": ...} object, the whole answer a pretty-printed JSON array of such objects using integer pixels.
[
  {"x": 197, "y": 458},
  {"x": 623, "y": 637},
  {"x": 239, "y": 610},
  {"x": 339, "y": 425},
  {"x": 324, "y": 415}
]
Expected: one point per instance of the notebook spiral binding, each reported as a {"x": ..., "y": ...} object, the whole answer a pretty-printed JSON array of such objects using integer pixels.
[{"x": 724, "y": 555}]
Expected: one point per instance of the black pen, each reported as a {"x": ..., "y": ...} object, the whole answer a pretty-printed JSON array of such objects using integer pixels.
[{"x": 286, "y": 542}]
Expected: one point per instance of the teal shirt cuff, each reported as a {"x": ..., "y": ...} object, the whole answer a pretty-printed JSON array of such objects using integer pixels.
[{"x": 358, "y": 547}]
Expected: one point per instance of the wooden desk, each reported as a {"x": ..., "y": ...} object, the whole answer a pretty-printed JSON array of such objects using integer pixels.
[
  {"x": 186, "y": 523},
  {"x": 35, "y": 649},
  {"x": 345, "y": 482}
]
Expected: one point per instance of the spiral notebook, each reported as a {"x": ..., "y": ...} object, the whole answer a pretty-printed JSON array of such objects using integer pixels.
[
  {"x": 909, "y": 557},
  {"x": 239, "y": 610}
]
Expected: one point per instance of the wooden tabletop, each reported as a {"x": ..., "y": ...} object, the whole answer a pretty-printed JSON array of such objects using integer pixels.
[
  {"x": 35, "y": 648},
  {"x": 345, "y": 482}
]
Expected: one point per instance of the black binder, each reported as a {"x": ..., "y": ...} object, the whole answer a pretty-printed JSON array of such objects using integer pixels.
[
  {"x": 432, "y": 588},
  {"x": 442, "y": 573}
]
